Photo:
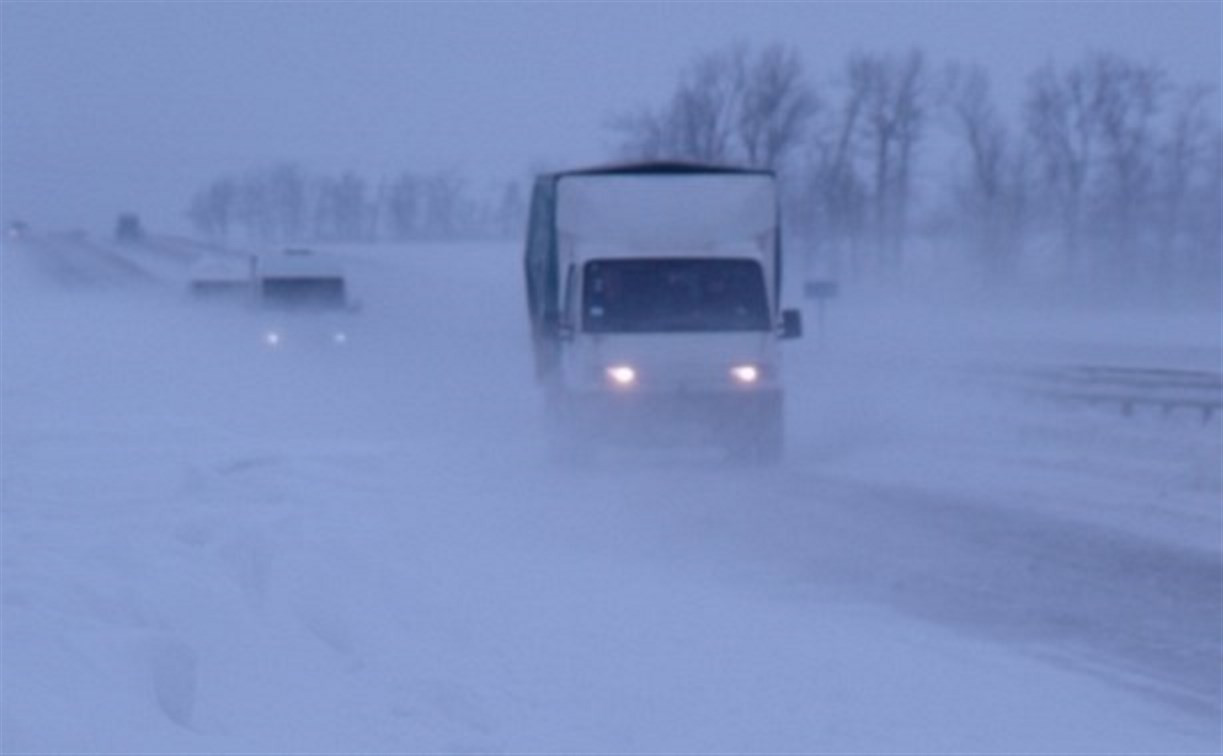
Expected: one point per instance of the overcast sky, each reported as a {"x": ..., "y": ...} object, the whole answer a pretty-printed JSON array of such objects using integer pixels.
[{"x": 111, "y": 106}]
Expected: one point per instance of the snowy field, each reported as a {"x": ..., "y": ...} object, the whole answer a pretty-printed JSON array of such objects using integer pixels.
[{"x": 209, "y": 546}]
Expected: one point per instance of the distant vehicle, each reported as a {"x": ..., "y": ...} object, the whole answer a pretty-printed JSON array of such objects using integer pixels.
[
  {"x": 654, "y": 299},
  {"x": 303, "y": 299}
]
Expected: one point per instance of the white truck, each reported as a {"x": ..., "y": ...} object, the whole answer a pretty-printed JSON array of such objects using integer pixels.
[{"x": 654, "y": 297}]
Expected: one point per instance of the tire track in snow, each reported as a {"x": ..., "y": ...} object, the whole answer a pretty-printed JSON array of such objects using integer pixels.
[{"x": 1135, "y": 612}]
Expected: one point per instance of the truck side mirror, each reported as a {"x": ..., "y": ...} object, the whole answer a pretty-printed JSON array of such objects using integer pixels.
[{"x": 791, "y": 324}]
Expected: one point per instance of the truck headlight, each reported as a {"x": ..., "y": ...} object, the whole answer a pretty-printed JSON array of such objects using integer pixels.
[
  {"x": 621, "y": 375},
  {"x": 745, "y": 374}
]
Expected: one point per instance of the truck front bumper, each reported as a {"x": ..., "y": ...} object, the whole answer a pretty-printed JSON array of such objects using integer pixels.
[{"x": 729, "y": 419}]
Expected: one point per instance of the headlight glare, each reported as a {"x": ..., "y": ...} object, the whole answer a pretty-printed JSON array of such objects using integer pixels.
[
  {"x": 622, "y": 375},
  {"x": 745, "y": 374}
]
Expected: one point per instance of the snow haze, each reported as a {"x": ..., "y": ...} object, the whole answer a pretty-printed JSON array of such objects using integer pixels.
[
  {"x": 119, "y": 106},
  {"x": 211, "y": 546},
  {"x": 995, "y": 527}
]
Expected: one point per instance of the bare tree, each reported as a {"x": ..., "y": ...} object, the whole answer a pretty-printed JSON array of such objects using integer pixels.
[
  {"x": 777, "y": 104},
  {"x": 1210, "y": 244},
  {"x": 643, "y": 136},
  {"x": 834, "y": 197},
  {"x": 254, "y": 207},
  {"x": 1118, "y": 173},
  {"x": 729, "y": 106},
  {"x": 1183, "y": 158},
  {"x": 213, "y": 208},
  {"x": 343, "y": 210},
  {"x": 893, "y": 94},
  {"x": 511, "y": 210},
  {"x": 989, "y": 193},
  {"x": 403, "y": 201},
  {"x": 706, "y": 108},
  {"x": 1200, "y": 225},
  {"x": 443, "y": 204},
  {"x": 1059, "y": 118},
  {"x": 285, "y": 192},
  {"x": 1126, "y": 101}
]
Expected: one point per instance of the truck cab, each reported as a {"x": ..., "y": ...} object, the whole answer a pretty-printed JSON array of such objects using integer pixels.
[{"x": 654, "y": 296}]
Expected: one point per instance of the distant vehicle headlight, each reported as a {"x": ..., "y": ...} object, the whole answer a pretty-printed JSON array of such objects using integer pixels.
[
  {"x": 621, "y": 375},
  {"x": 339, "y": 337},
  {"x": 271, "y": 338},
  {"x": 745, "y": 374}
]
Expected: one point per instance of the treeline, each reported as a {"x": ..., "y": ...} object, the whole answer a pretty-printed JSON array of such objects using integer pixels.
[
  {"x": 285, "y": 203},
  {"x": 1106, "y": 172}
]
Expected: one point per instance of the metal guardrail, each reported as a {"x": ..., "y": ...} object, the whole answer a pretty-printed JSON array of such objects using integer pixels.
[{"x": 1129, "y": 389}]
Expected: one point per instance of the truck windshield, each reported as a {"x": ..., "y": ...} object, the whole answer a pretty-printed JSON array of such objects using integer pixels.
[
  {"x": 673, "y": 294},
  {"x": 304, "y": 292}
]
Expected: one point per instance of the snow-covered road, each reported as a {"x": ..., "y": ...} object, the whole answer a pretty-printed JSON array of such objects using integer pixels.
[{"x": 210, "y": 547}]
